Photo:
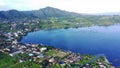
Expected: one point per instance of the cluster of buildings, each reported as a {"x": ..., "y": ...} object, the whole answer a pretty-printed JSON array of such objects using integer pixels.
[
  {"x": 34, "y": 51},
  {"x": 73, "y": 58}
]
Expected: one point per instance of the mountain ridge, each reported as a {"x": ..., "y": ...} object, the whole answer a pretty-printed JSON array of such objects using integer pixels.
[
  {"x": 41, "y": 13},
  {"x": 50, "y": 12}
]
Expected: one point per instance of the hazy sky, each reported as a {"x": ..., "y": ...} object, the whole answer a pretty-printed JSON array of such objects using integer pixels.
[{"x": 80, "y": 6}]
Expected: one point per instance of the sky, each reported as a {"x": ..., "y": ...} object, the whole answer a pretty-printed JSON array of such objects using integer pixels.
[{"x": 79, "y": 6}]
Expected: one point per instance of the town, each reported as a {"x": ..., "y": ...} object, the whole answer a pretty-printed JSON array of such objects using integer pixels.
[{"x": 43, "y": 56}]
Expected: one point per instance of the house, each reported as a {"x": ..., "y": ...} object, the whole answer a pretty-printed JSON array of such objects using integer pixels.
[
  {"x": 102, "y": 66},
  {"x": 15, "y": 53},
  {"x": 43, "y": 49},
  {"x": 51, "y": 60},
  {"x": 15, "y": 34},
  {"x": 34, "y": 45},
  {"x": 14, "y": 42},
  {"x": 40, "y": 56},
  {"x": 30, "y": 54},
  {"x": 6, "y": 50}
]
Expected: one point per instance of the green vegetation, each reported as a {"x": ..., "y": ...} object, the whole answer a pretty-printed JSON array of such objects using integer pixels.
[
  {"x": 59, "y": 66},
  {"x": 55, "y": 53},
  {"x": 51, "y": 52},
  {"x": 43, "y": 19},
  {"x": 12, "y": 62},
  {"x": 57, "y": 23},
  {"x": 6, "y": 60},
  {"x": 86, "y": 59},
  {"x": 27, "y": 64},
  {"x": 53, "y": 18},
  {"x": 75, "y": 22}
]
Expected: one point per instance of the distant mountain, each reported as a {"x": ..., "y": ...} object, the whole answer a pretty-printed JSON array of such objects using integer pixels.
[
  {"x": 42, "y": 13},
  {"x": 108, "y": 13},
  {"x": 11, "y": 14},
  {"x": 51, "y": 12},
  {"x": 20, "y": 16}
]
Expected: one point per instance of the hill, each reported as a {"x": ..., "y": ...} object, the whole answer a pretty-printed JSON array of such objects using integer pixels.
[
  {"x": 42, "y": 13},
  {"x": 50, "y": 12}
]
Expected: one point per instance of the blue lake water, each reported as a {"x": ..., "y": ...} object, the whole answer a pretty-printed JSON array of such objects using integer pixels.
[{"x": 86, "y": 40}]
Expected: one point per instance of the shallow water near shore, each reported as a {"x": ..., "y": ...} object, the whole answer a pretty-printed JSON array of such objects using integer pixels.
[{"x": 86, "y": 40}]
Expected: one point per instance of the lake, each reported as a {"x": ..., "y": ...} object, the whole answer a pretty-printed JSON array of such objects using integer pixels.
[{"x": 86, "y": 40}]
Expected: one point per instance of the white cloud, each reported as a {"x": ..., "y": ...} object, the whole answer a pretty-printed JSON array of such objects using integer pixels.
[
  {"x": 81, "y": 6},
  {"x": 2, "y": 3}
]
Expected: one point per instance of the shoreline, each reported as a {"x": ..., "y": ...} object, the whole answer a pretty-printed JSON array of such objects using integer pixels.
[{"x": 24, "y": 34}]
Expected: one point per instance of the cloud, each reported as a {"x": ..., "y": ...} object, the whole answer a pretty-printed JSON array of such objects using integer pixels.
[
  {"x": 2, "y": 3},
  {"x": 22, "y": 4},
  {"x": 81, "y": 6}
]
